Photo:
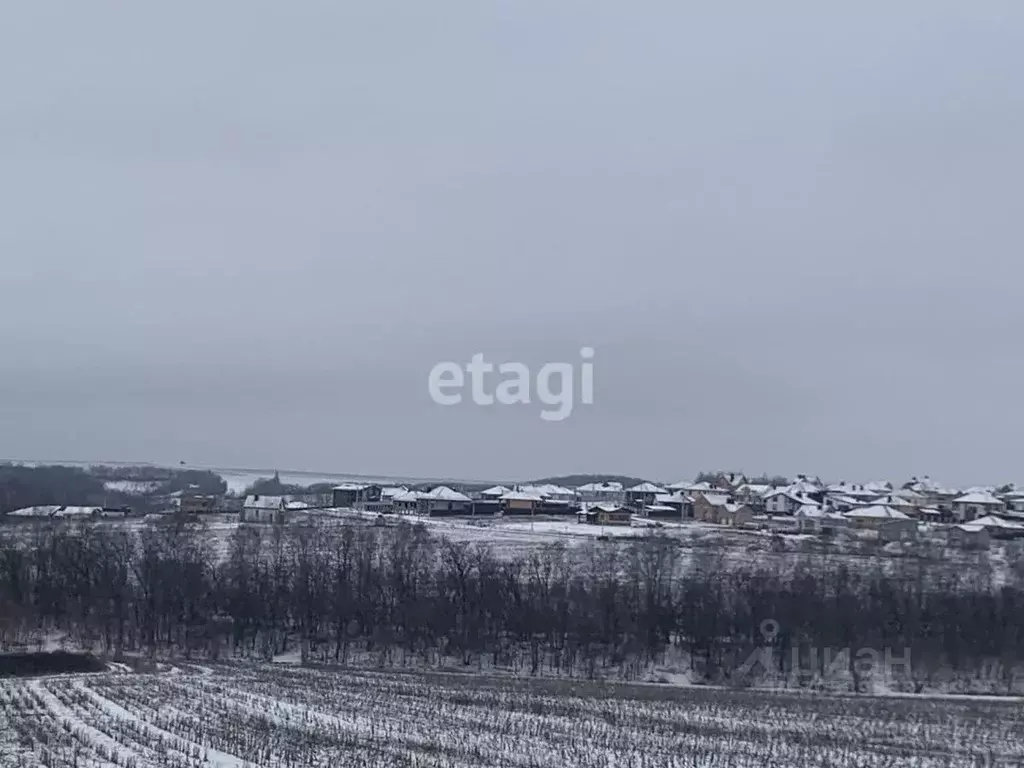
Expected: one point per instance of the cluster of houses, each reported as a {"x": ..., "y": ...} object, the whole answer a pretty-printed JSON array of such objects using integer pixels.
[
  {"x": 64, "y": 512},
  {"x": 970, "y": 517}
]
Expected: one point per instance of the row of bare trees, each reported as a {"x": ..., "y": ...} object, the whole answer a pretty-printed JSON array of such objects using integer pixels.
[{"x": 401, "y": 595}]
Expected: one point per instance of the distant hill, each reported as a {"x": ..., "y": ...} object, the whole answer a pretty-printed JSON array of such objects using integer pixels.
[{"x": 574, "y": 481}]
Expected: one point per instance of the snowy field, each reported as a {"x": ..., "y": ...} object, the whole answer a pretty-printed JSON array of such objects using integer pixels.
[{"x": 228, "y": 715}]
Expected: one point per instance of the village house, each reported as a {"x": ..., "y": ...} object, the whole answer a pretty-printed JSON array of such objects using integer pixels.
[
  {"x": 874, "y": 516},
  {"x": 898, "y": 502},
  {"x": 717, "y": 509},
  {"x": 550, "y": 492},
  {"x": 354, "y": 495},
  {"x": 911, "y": 496},
  {"x": 607, "y": 514},
  {"x": 263, "y": 509},
  {"x": 784, "y": 501},
  {"x": 934, "y": 494},
  {"x": 752, "y": 494},
  {"x": 601, "y": 493},
  {"x": 388, "y": 494},
  {"x": 969, "y": 536},
  {"x": 671, "y": 505},
  {"x": 975, "y": 504},
  {"x": 690, "y": 488},
  {"x": 999, "y": 528},
  {"x": 853, "y": 494},
  {"x": 897, "y": 530},
  {"x": 728, "y": 481},
  {"x": 812, "y": 518},
  {"x": 406, "y": 503},
  {"x": 643, "y": 494},
  {"x": 1014, "y": 502},
  {"x": 494, "y": 493},
  {"x": 197, "y": 504},
  {"x": 521, "y": 503},
  {"x": 442, "y": 501},
  {"x": 56, "y": 512},
  {"x": 933, "y": 515}
]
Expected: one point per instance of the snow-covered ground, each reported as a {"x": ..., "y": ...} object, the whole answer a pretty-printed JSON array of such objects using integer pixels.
[
  {"x": 138, "y": 487},
  {"x": 234, "y": 715}
]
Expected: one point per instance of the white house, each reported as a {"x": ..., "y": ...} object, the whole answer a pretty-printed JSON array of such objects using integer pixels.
[
  {"x": 784, "y": 501},
  {"x": 550, "y": 492},
  {"x": 444, "y": 501},
  {"x": 874, "y": 516},
  {"x": 263, "y": 509},
  {"x": 644, "y": 493},
  {"x": 495, "y": 492},
  {"x": 814, "y": 519},
  {"x": 1014, "y": 501},
  {"x": 998, "y": 527},
  {"x": 406, "y": 503},
  {"x": 601, "y": 493},
  {"x": 974, "y": 504}
]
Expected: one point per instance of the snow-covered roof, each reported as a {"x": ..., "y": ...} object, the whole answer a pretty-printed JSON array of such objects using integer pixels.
[
  {"x": 77, "y": 511},
  {"x": 444, "y": 493},
  {"x": 351, "y": 487},
  {"x": 390, "y": 493},
  {"x": 877, "y": 512},
  {"x": 555, "y": 490},
  {"x": 669, "y": 498},
  {"x": 809, "y": 510},
  {"x": 407, "y": 497},
  {"x": 849, "y": 501},
  {"x": 597, "y": 487},
  {"x": 897, "y": 501},
  {"x": 604, "y": 507},
  {"x": 925, "y": 485},
  {"x": 521, "y": 496},
  {"x": 990, "y": 521},
  {"x": 646, "y": 488},
  {"x": 497, "y": 490},
  {"x": 790, "y": 492},
  {"x": 547, "y": 490},
  {"x": 256, "y": 501},
  {"x": 757, "y": 489},
  {"x": 982, "y": 498},
  {"x": 812, "y": 511},
  {"x": 690, "y": 487},
  {"x": 804, "y": 487},
  {"x": 297, "y": 505},
  {"x": 716, "y": 499},
  {"x": 970, "y": 527},
  {"x": 38, "y": 511},
  {"x": 908, "y": 493}
]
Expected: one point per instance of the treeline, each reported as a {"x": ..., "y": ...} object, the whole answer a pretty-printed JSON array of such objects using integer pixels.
[
  {"x": 22, "y": 486},
  {"x": 401, "y": 596},
  {"x": 33, "y": 486}
]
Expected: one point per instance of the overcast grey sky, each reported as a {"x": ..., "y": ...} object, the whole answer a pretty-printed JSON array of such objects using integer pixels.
[{"x": 240, "y": 233}]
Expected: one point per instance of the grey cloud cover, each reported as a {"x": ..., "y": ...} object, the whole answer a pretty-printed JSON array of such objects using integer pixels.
[{"x": 241, "y": 233}]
